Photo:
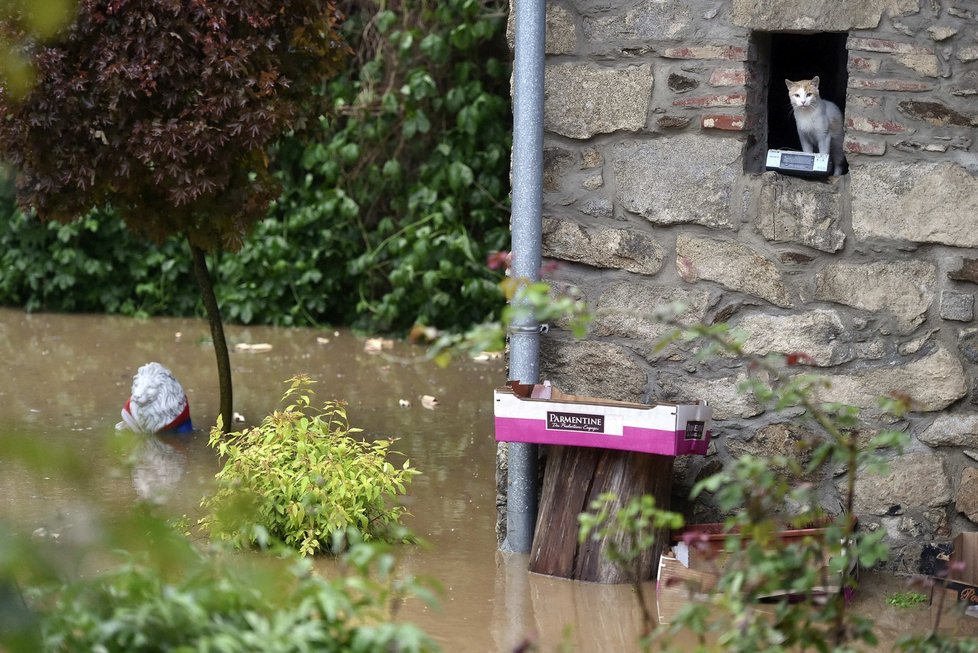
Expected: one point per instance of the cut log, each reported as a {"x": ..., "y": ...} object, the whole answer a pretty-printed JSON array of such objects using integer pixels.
[{"x": 576, "y": 476}]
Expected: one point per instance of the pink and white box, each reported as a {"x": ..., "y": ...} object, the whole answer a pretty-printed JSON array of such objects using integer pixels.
[{"x": 542, "y": 414}]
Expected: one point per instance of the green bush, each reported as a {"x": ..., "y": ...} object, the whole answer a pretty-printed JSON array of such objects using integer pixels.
[
  {"x": 229, "y": 604},
  {"x": 309, "y": 481},
  {"x": 388, "y": 208}
]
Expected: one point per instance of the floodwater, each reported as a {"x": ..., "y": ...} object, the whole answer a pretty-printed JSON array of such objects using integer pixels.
[{"x": 66, "y": 377}]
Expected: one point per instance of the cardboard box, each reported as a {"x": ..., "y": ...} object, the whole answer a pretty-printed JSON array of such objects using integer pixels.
[
  {"x": 690, "y": 574},
  {"x": 542, "y": 414}
]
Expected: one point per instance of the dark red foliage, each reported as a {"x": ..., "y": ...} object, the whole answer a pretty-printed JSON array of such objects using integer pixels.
[{"x": 164, "y": 109}]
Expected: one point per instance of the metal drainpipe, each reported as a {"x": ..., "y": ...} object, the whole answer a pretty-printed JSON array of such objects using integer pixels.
[{"x": 527, "y": 173}]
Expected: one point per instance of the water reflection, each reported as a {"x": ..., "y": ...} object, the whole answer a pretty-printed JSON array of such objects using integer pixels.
[{"x": 159, "y": 463}]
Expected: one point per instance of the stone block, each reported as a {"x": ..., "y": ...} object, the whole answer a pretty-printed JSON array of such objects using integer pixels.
[
  {"x": 648, "y": 183},
  {"x": 863, "y": 64},
  {"x": 933, "y": 382},
  {"x": 951, "y": 430},
  {"x": 914, "y": 480},
  {"x": 722, "y": 121},
  {"x": 968, "y": 54},
  {"x": 935, "y": 113},
  {"x": 650, "y": 20},
  {"x": 785, "y": 439},
  {"x": 731, "y": 100},
  {"x": 957, "y": 306},
  {"x": 941, "y": 32},
  {"x": 599, "y": 207},
  {"x": 602, "y": 248},
  {"x": 919, "y": 201},
  {"x": 729, "y": 77},
  {"x": 925, "y": 64},
  {"x": 723, "y": 394},
  {"x": 582, "y": 100},
  {"x": 561, "y": 31},
  {"x": 793, "y": 210},
  {"x": 872, "y": 102},
  {"x": 722, "y": 52},
  {"x": 886, "y": 84},
  {"x": 732, "y": 265},
  {"x": 967, "y": 271},
  {"x": 868, "y": 146},
  {"x": 904, "y": 289},
  {"x": 873, "y": 126},
  {"x": 966, "y": 497},
  {"x": 815, "y": 15},
  {"x": 819, "y": 334},
  {"x": 627, "y": 309},
  {"x": 681, "y": 83},
  {"x": 595, "y": 369},
  {"x": 887, "y": 46}
]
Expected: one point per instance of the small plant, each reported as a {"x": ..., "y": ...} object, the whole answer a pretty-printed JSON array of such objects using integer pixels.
[
  {"x": 907, "y": 599},
  {"x": 303, "y": 478},
  {"x": 215, "y": 602}
]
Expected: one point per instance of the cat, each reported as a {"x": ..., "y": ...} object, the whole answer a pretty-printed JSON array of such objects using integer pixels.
[{"x": 819, "y": 121}]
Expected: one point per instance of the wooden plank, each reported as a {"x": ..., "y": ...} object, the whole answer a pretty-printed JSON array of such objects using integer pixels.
[{"x": 574, "y": 477}]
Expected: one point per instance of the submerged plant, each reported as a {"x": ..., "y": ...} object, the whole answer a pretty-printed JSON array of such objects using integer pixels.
[
  {"x": 216, "y": 602},
  {"x": 302, "y": 477}
]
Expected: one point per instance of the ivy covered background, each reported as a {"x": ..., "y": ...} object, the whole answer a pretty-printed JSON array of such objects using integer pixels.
[{"x": 389, "y": 205}]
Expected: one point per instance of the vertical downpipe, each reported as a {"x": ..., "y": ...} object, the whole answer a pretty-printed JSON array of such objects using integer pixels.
[{"x": 524, "y": 344}]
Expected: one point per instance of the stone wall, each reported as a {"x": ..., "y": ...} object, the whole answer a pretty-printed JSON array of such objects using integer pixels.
[{"x": 653, "y": 111}]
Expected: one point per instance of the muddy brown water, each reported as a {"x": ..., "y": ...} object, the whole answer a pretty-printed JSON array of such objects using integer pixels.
[{"x": 65, "y": 377}]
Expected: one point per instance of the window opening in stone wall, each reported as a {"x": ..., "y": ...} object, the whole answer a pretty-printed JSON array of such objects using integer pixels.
[{"x": 781, "y": 56}]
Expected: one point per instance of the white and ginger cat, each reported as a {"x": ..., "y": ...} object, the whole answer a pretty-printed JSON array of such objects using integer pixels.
[{"x": 819, "y": 121}]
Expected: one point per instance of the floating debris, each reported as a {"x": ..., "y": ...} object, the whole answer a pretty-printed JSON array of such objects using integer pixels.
[
  {"x": 255, "y": 348},
  {"x": 403, "y": 403},
  {"x": 323, "y": 341},
  {"x": 376, "y": 345},
  {"x": 429, "y": 402},
  {"x": 237, "y": 417},
  {"x": 488, "y": 356}
]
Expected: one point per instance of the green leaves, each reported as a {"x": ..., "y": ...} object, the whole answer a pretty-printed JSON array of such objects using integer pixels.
[{"x": 310, "y": 483}]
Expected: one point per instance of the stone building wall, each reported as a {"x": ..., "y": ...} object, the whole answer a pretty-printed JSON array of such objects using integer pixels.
[{"x": 655, "y": 120}]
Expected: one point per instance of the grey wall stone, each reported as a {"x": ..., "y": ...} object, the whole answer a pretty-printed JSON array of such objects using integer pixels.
[
  {"x": 794, "y": 210},
  {"x": 722, "y": 394},
  {"x": 966, "y": 497},
  {"x": 626, "y": 309},
  {"x": 732, "y": 265},
  {"x": 819, "y": 333},
  {"x": 561, "y": 29},
  {"x": 903, "y": 289},
  {"x": 649, "y": 20},
  {"x": 914, "y": 479},
  {"x": 921, "y": 202},
  {"x": 816, "y": 15},
  {"x": 594, "y": 369},
  {"x": 702, "y": 194},
  {"x": 583, "y": 99},
  {"x": 958, "y": 430},
  {"x": 603, "y": 248},
  {"x": 933, "y": 382}
]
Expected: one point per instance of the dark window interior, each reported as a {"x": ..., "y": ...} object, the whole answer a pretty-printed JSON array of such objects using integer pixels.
[{"x": 802, "y": 56}]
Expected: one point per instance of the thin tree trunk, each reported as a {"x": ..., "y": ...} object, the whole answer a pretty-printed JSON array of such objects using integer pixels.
[{"x": 217, "y": 333}]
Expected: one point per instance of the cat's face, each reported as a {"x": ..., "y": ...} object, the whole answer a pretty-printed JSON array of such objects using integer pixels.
[{"x": 803, "y": 93}]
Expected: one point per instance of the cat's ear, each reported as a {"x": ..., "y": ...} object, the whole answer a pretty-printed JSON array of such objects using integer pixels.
[
  {"x": 815, "y": 81},
  {"x": 788, "y": 83}
]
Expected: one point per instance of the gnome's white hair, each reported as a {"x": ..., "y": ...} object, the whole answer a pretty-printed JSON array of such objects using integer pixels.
[{"x": 157, "y": 399}]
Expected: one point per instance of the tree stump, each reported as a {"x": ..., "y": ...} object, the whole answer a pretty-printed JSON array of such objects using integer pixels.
[{"x": 574, "y": 477}]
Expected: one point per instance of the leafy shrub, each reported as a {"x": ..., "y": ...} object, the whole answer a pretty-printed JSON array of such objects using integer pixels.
[
  {"x": 309, "y": 479},
  {"x": 228, "y": 604},
  {"x": 388, "y": 209}
]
